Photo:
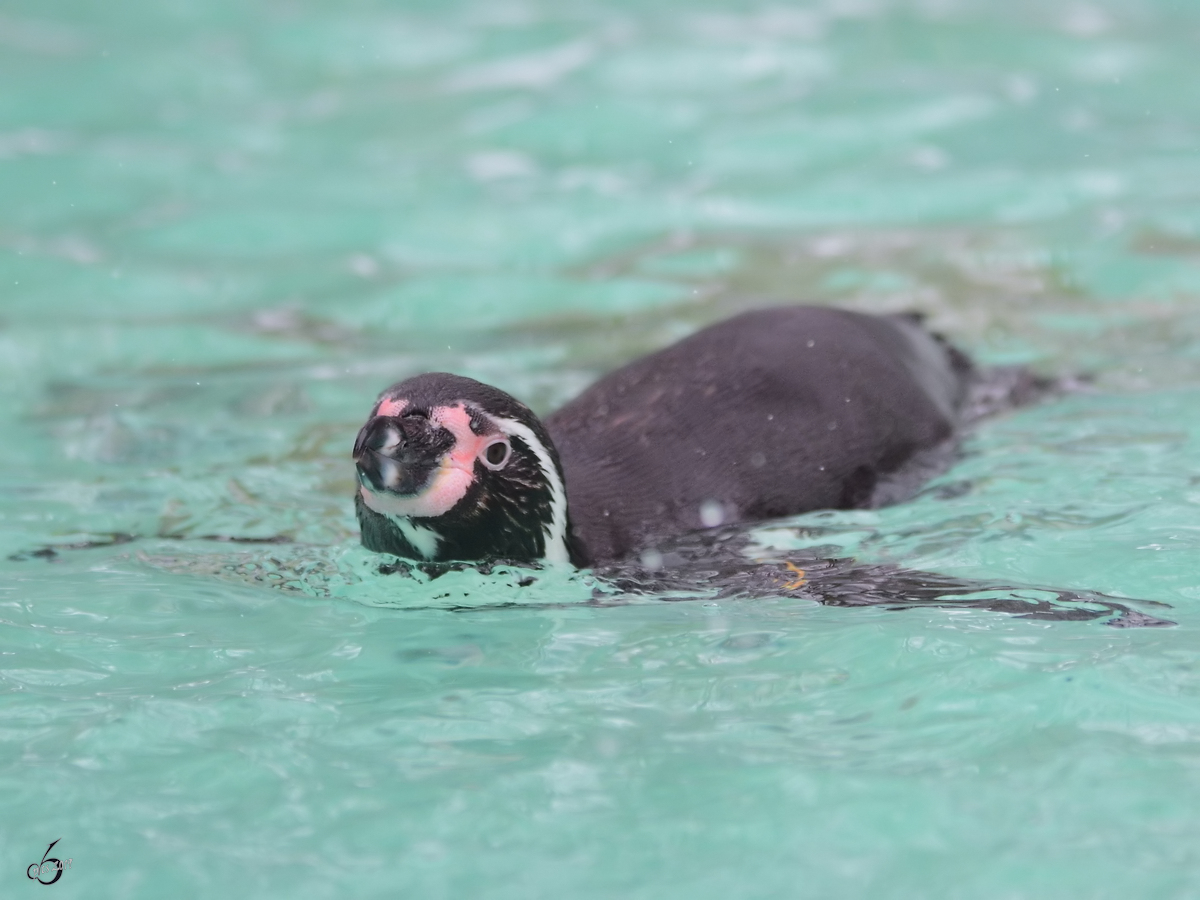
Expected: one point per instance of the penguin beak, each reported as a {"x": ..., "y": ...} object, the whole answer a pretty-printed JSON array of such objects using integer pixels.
[
  {"x": 375, "y": 453},
  {"x": 397, "y": 455}
]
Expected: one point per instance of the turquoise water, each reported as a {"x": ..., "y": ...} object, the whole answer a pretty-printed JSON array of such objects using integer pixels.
[{"x": 225, "y": 226}]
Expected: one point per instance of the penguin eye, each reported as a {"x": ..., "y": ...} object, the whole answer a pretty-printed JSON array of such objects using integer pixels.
[{"x": 496, "y": 455}]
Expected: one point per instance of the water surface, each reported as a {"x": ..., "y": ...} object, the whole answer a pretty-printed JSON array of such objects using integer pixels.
[{"x": 223, "y": 228}]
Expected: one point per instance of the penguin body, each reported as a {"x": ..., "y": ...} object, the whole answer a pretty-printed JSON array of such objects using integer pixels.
[{"x": 771, "y": 413}]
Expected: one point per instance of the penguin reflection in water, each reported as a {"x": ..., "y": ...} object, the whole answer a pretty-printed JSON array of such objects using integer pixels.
[{"x": 771, "y": 413}]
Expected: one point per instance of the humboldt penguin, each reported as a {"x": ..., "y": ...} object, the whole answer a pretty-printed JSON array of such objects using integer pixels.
[{"x": 771, "y": 413}]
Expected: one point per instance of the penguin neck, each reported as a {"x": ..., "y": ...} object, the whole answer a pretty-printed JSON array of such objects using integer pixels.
[{"x": 504, "y": 538}]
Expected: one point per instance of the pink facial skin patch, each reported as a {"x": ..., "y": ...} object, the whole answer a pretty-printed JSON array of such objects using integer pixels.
[
  {"x": 452, "y": 478},
  {"x": 390, "y": 407}
]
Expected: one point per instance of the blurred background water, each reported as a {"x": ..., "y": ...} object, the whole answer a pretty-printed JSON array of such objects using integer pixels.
[{"x": 224, "y": 227}]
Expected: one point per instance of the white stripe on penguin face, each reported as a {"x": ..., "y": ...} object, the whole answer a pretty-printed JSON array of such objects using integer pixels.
[{"x": 556, "y": 531}]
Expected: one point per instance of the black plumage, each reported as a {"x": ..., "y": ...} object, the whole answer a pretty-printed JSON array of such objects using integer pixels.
[{"x": 771, "y": 413}]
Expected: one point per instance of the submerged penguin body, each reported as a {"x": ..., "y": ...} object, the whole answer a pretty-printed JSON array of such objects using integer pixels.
[{"x": 770, "y": 413}]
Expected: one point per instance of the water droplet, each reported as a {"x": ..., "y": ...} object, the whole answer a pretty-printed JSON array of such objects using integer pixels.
[{"x": 712, "y": 513}]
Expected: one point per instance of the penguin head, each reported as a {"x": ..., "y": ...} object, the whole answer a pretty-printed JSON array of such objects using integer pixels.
[{"x": 453, "y": 469}]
